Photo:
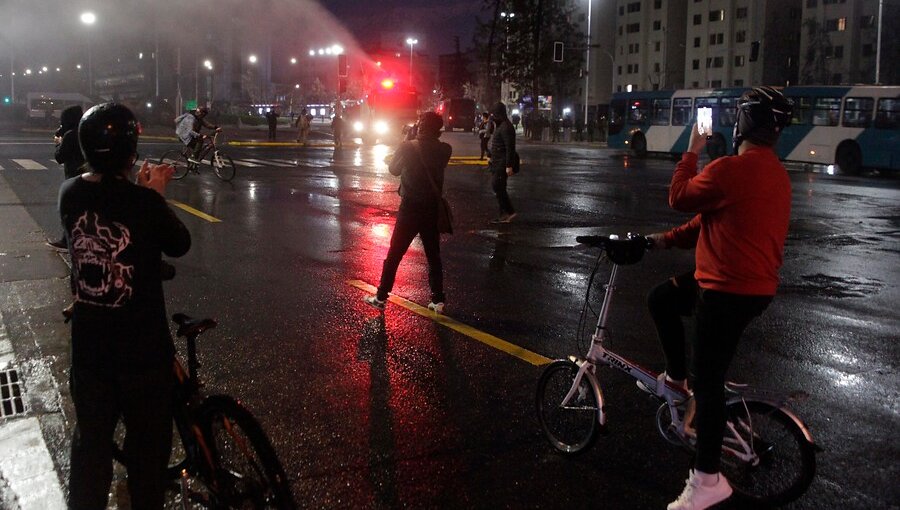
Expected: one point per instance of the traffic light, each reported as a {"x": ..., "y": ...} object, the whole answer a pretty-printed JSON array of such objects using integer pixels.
[
  {"x": 342, "y": 65},
  {"x": 342, "y": 85},
  {"x": 754, "y": 51},
  {"x": 557, "y": 51},
  {"x": 6, "y": 100}
]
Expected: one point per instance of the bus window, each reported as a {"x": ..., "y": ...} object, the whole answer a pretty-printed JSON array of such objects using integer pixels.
[
  {"x": 858, "y": 111},
  {"x": 661, "y": 110},
  {"x": 616, "y": 116},
  {"x": 728, "y": 112},
  {"x": 888, "y": 114},
  {"x": 802, "y": 112},
  {"x": 638, "y": 112},
  {"x": 682, "y": 113},
  {"x": 826, "y": 111}
]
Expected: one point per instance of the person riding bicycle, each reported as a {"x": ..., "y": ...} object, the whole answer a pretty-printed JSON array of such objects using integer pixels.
[
  {"x": 743, "y": 205},
  {"x": 122, "y": 350},
  {"x": 188, "y": 126}
]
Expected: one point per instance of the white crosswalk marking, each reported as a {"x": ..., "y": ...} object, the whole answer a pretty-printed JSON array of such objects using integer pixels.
[
  {"x": 270, "y": 162},
  {"x": 29, "y": 164}
]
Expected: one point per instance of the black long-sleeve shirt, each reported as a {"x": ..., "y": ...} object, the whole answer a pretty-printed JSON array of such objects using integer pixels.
[
  {"x": 503, "y": 146},
  {"x": 414, "y": 185},
  {"x": 69, "y": 153}
]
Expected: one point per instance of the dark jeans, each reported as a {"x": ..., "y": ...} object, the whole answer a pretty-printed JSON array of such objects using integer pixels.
[
  {"x": 498, "y": 184},
  {"x": 720, "y": 319},
  {"x": 271, "y": 132},
  {"x": 484, "y": 146},
  {"x": 414, "y": 220},
  {"x": 143, "y": 400}
]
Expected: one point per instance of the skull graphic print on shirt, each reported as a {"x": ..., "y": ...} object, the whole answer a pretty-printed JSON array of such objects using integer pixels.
[{"x": 101, "y": 278}]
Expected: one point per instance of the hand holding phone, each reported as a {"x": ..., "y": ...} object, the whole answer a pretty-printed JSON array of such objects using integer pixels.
[{"x": 704, "y": 121}]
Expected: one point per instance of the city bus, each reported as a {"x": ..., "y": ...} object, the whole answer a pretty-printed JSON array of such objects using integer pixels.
[
  {"x": 852, "y": 127},
  {"x": 39, "y": 103}
]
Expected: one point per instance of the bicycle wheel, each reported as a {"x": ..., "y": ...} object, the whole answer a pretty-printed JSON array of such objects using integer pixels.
[
  {"x": 784, "y": 462},
  {"x": 177, "y": 459},
  {"x": 177, "y": 160},
  {"x": 222, "y": 166},
  {"x": 571, "y": 428},
  {"x": 246, "y": 472}
]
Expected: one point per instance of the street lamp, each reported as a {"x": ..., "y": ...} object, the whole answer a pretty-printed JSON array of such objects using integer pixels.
[
  {"x": 411, "y": 42},
  {"x": 587, "y": 64},
  {"x": 88, "y": 18}
]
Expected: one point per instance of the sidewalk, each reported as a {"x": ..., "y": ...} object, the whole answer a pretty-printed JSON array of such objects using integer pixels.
[{"x": 34, "y": 358}]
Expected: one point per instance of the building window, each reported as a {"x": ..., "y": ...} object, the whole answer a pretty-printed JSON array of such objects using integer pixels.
[
  {"x": 657, "y": 25},
  {"x": 656, "y": 67},
  {"x": 620, "y": 70},
  {"x": 657, "y": 46},
  {"x": 718, "y": 15},
  {"x": 838, "y": 52},
  {"x": 695, "y": 64},
  {"x": 836, "y": 24},
  {"x": 794, "y": 13},
  {"x": 657, "y": 4},
  {"x": 635, "y": 69},
  {"x": 632, "y": 28},
  {"x": 620, "y": 29},
  {"x": 715, "y": 39},
  {"x": 738, "y": 61},
  {"x": 715, "y": 84},
  {"x": 634, "y": 7},
  {"x": 867, "y": 22},
  {"x": 738, "y": 83},
  {"x": 621, "y": 10},
  {"x": 740, "y": 36},
  {"x": 809, "y": 4},
  {"x": 868, "y": 50},
  {"x": 829, "y": 2},
  {"x": 696, "y": 42},
  {"x": 836, "y": 79},
  {"x": 715, "y": 62},
  {"x": 741, "y": 13},
  {"x": 695, "y": 84},
  {"x": 698, "y": 19}
]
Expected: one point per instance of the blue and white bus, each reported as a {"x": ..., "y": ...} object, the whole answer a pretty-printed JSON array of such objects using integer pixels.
[{"x": 851, "y": 127}]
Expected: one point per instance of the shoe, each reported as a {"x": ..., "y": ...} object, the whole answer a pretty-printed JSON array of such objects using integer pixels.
[
  {"x": 504, "y": 218},
  {"x": 437, "y": 308},
  {"x": 58, "y": 245},
  {"x": 662, "y": 389},
  {"x": 374, "y": 302},
  {"x": 697, "y": 496}
]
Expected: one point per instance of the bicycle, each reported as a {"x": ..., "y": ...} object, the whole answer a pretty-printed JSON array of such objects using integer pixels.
[
  {"x": 184, "y": 162},
  {"x": 221, "y": 456},
  {"x": 768, "y": 452}
]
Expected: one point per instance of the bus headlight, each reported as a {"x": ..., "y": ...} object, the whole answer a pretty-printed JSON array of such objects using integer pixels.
[
  {"x": 381, "y": 127},
  {"x": 358, "y": 126}
]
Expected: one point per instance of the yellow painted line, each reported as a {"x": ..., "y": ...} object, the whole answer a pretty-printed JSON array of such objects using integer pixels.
[
  {"x": 195, "y": 212},
  {"x": 248, "y": 143},
  {"x": 475, "y": 334},
  {"x": 467, "y": 162}
]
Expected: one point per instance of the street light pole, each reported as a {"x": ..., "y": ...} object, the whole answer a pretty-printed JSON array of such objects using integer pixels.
[
  {"x": 587, "y": 64},
  {"x": 411, "y": 42},
  {"x": 89, "y": 18}
]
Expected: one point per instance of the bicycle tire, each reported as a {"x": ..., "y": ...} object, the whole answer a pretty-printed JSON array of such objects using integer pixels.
[
  {"x": 787, "y": 461},
  {"x": 246, "y": 469},
  {"x": 177, "y": 459},
  {"x": 574, "y": 428},
  {"x": 227, "y": 170},
  {"x": 178, "y": 161}
]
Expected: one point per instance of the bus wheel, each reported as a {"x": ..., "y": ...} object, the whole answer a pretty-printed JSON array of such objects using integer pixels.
[
  {"x": 715, "y": 147},
  {"x": 639, "y": 145},
  {"x": 849, "y": 158}
]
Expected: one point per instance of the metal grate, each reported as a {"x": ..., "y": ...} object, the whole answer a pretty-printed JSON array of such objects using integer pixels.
[{"x": 11, "y": 402}]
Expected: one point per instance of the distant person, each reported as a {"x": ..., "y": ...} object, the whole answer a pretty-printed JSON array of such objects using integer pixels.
[
  {"x": 337, "y": 130},
  {"x": 420, "y": 163},
  {"x": 68, "y": 153},
  {"x": 484, "y": 136},
  {"x": 742, "y": 205},
  {"x": 122, "y": 350},
  {"x": 503, "y": 150},
  {"x": 304, "y": 124},
  {"x": 579, "y": 130},
  {"x": 188, "y": 128},
  {"x": 591, "y": 127},
  {"x": 272, "y": 121},
  {"x": 554, "y": 129},
  {"x": 516, "y": 118},
  {"x": 567, "y": 128}
]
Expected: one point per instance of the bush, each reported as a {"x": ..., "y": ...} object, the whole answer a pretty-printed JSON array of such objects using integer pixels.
[{"x": 252, "y": 120}]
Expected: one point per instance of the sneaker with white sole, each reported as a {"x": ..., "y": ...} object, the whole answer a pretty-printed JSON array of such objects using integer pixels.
[
  {"x": 437, "y": 308},
  {"x": 663, "y": 389},
  {"x": 697, "y": 496},
  {"x": 374, "y": 302}
]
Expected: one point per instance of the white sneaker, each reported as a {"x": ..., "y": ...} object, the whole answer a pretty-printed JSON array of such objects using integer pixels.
[
  {"x": 663, "y": 390},
  {"x": 374, "y": 302},
  {"x": 697, "y": 496},
  {"x": 437, "y": 308}
]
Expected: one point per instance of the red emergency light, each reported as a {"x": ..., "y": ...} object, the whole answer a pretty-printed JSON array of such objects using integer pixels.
[{"x": 387, "y": 84}]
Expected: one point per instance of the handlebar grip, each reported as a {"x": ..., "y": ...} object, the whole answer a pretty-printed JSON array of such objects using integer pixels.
[{"x": 591, "y": 240}]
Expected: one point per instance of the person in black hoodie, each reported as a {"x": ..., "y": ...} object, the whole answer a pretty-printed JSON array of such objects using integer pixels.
[
  {"x": 503, "y": 150},
  {"x": 68, "y": 153},
  {"x": 420, "y": 163},
  {"x": 122, "y": 350}
]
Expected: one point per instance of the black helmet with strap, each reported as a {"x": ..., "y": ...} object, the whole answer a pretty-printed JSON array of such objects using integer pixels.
[
  {"x": 762, "y": 113},
  {"x": 108, "y": 134}
]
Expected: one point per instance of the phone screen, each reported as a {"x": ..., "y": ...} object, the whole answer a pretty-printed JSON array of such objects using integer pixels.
[{"x": 704, "y": 121}]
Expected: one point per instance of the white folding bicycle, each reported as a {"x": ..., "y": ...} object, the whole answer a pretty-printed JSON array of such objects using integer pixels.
[{"x": 768, "y": 454}]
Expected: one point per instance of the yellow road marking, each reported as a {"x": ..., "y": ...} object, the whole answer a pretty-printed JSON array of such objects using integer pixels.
[
  {"x": 278, "y": 144},
  {"x": 485, "y": 338},
  {"x": 195, "y": 212}
]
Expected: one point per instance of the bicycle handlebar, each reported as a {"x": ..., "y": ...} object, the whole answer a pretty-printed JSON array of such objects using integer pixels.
[{"x": 621, "y": 250}]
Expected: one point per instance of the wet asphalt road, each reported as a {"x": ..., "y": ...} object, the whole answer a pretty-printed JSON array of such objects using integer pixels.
[{"x": 403, "y": 412}]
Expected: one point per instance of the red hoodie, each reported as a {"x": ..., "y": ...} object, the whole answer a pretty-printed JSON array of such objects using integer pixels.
[{"x": 743, "y": 204}]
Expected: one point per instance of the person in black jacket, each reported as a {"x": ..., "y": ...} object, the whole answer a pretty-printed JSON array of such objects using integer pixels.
[
  {"x": 420, "y": 164},
  {"x": 68, "y": 153},
  {"x": 503, "y": 149},
  {"x": 272, "y": 121},
  {"x": 122, "y": 350}
]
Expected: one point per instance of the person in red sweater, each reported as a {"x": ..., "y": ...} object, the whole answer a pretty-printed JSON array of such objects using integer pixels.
[{"x": 743, "y": 205}]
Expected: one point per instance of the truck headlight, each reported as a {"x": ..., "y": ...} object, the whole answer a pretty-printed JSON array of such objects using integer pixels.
[
  {"x": 381, "y": 127},
  {"x": 358, "y": 126}
]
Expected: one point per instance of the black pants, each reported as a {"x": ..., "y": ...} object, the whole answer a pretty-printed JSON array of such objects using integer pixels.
[
  {"x": 484, "y": 146},
  {"x": 414, "y": 220},
  {"x": 498, "y": 184},
  {"x": 720, "y": 319},
  {"x": 143, "y": 400},
  {"x": 271, "y": 132}
]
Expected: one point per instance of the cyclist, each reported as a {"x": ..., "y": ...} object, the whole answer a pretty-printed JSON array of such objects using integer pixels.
[
  {"x": 188, "y": 126},
  {"x": 743, "y": 205},
  {"x": 122, "y": 351}
]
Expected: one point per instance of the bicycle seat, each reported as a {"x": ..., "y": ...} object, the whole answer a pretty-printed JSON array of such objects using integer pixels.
[
  {"x": 188, "y": 326},
  {"x": 622, "y": 251}
]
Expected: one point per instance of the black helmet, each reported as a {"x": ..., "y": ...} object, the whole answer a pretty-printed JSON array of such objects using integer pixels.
[
  {"x": 108, "y": 134},
  {"x": 762, "y": 113}
]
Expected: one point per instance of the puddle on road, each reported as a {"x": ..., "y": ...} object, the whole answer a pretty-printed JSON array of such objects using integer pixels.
[{"x": 832, "y": 286}]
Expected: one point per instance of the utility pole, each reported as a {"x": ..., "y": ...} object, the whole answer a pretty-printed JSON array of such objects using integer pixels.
[
  {"x": 878, "y": 45},
  {"x": 587, "y": 64},
  {"x": 537, "y": 53}
]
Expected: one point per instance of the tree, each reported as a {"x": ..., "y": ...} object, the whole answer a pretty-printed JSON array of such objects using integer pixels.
[{"x": 815, "y": 68}]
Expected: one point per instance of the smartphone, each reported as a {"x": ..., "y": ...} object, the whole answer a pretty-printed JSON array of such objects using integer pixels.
[{"x": 704, "y": 121}]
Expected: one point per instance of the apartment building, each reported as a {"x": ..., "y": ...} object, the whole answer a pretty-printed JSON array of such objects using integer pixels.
[
  {"x": 649, "y": 47},
  {"x": 839, "y": 42}
]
